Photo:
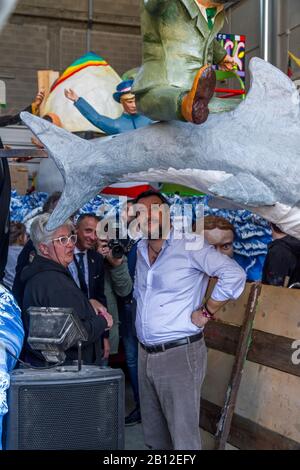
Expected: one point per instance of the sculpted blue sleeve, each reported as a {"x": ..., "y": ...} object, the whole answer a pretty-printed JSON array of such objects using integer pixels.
[
  {"x": 11, "y": 339},
  {"x": 104, "y": 123}
]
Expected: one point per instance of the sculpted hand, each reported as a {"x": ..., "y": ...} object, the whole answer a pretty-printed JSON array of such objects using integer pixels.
[
  {"x": 227, "y": 64},
  {"x": 71, "y": 95},
  {"x": 39, "y": 98}
]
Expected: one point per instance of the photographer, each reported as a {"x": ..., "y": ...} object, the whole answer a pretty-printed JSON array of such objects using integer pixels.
[{"x": 117, "y": 282}]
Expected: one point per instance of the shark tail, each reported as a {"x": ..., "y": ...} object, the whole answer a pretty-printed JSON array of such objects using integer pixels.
[
  {"x": 53, "y": 137},
  {"x": 69, "y": 153}
]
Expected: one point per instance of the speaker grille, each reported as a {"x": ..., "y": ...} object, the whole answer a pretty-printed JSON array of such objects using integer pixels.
[{"x": 81, "y": 416}]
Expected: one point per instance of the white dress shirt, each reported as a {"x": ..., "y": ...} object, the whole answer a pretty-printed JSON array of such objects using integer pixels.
[
  {"x": 169, "y": 290},
  {"x": 73, "y": 268}
]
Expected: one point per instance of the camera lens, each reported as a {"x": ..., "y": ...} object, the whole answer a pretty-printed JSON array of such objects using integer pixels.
[{"x": 117, "y": 250}]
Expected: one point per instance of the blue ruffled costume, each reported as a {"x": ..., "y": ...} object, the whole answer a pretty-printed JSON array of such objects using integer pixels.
[{"x": 11, "y": 339}]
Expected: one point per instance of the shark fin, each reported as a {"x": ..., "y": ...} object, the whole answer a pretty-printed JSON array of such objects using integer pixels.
[
  {"x": 272, "y": 88},
  {"x": 244, "y": 189},
  {"x": 70, "y": 153},
  {"x": 60, "y": 143}
]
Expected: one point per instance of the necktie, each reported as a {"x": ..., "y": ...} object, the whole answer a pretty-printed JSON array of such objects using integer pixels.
[
  {"x": 81, "y": 276},
  {"x": 210, "y": 13}
]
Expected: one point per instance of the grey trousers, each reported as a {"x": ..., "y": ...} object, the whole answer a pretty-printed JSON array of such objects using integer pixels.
[{"x": 170, "y": 389}]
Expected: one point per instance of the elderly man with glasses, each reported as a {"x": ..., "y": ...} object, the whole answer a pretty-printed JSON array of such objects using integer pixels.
[{"x": 48, "y": 283}]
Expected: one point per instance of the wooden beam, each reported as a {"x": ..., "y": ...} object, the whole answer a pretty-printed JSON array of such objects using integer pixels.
[
  {"x": 244, "y": 433},
  {"x": 22, "y": 153},
  {"x": 237, "y": 370},
  {"x": 265, "y": 349}
]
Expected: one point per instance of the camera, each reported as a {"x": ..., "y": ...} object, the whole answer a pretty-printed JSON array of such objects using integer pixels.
[
  {"x": 120, "y": 248},
  {"x": 117, "y": 249}
]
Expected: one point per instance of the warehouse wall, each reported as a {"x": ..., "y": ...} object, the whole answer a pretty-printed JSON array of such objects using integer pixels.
[
  {"x": 43, "y": 37},
  {"x": 244, "y": 18}
]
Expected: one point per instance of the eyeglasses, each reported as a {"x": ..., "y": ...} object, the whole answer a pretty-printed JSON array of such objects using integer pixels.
[{"x": 65, "y": 240}]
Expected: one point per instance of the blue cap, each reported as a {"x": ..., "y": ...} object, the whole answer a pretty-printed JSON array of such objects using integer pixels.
[{"x": 122, "y": 89}]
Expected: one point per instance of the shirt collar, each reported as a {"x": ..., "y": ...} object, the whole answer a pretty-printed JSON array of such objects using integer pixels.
[
  {"x": 77, "y": 251},
  {"x": 143, "y": 243},
  {"x": 203, "y": 9}
]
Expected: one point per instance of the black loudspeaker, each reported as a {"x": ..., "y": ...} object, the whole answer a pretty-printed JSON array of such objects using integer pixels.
[{"x": 66, "y": 409}]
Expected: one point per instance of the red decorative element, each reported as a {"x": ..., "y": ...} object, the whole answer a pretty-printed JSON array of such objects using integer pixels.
[{"x": 130, "y": 191}]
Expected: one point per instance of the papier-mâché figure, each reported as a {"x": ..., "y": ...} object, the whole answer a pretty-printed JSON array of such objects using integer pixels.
[{"x": 177, "y": 80}]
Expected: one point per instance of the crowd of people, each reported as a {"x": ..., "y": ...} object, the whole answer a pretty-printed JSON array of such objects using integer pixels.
[
  {"x": 151, "y": 295},
  {"x": 151, "y": 290}
]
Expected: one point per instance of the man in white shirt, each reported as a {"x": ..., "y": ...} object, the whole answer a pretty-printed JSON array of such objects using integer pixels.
[{"x": 170, "y": 285}]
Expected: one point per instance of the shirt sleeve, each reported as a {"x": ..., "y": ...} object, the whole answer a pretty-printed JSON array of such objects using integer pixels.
[
  {"x": 231, "y": 277},
  {"x": 104, "y": 123},
  {"x": 121, "y": 280}
]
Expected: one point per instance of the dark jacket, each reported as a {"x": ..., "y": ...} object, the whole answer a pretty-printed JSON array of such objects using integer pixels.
[
  {"x": 96, "y": 276},
  {"x": 283, "y": 260},
  {"x": 11, "y": 120},
  {"x": 49, "y": 284},
  {"x": 24, "y": 258}
]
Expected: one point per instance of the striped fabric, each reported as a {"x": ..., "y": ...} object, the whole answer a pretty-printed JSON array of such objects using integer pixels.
[
  {"x": 83, "y": 62},
  {"x": 11, "y": 338}
]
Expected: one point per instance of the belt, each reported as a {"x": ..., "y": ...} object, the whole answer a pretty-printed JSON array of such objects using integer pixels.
[{"x": 173, "y": 344}]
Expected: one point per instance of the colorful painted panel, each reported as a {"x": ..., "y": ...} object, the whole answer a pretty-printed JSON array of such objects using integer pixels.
[{"x": 235, "y": 47}]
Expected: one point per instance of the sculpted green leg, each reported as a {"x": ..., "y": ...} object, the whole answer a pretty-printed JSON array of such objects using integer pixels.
[{"x": 161, "y": 104}]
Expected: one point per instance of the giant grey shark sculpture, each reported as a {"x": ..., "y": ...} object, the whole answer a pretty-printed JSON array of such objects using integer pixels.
[
  {"x": 250, "y": 156},
  {"x": 6, "y": 8}
]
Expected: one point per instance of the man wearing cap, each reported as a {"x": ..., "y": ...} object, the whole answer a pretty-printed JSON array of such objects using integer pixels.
[
  {"x": 177, "y": 80},
  {"x": 128, "y": 121}
]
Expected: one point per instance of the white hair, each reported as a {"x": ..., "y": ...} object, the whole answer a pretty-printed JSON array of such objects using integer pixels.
[{"x": 39, "y": 233}]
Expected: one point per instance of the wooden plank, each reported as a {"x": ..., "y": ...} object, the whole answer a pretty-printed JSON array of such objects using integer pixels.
[
  {"x": 46, "y": 78},
  {"x": 238, "y": 367},
  {"x": 278, "y": 312},
  {"x": 222, "y": 337},
  {"x": 219, "y": 367},
  {"x": 270, "y": 398},
  {"x": 266, "y": 349},
  {"x": 273, "y": 351},
  {"x": 267, "y": 396},
  {"x": 20, "y": 153},
  {"x": 234, "y": 311},
  {"x": 244, "y": 433}
]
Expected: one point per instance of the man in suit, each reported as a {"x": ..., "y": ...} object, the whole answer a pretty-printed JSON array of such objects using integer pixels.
[
  {"x": 177, "y": 80},
  {"x": 87, "y": 270}
]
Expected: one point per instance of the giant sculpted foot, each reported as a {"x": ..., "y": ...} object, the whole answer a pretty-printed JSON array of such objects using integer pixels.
[{"x": 195, "y": 103}]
